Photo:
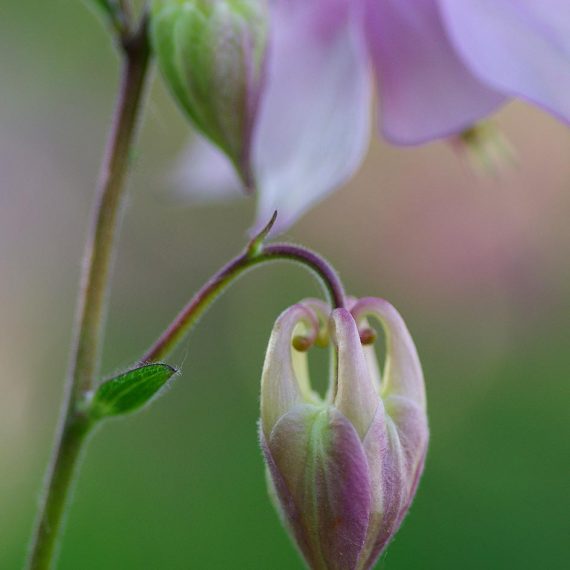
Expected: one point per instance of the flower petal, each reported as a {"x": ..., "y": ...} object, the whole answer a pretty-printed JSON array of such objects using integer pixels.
[
  {"x": 356, "y": 395},
  {"x": 313, "y": 128},
  {"x": 426, "y": 90},
  {"x": 396, "y": 443},
  {"x": 283, "y": 500},
  {"x": 322, "y": 479},
  {"x": 387, "y": 475},
  {"x": 203, "y": 173},
  {"x": 403, "y": 394},
  {"x": 281, "y": 386},
  {"x": 402, "y": 376},
  {"x": 521, "y": 48}
]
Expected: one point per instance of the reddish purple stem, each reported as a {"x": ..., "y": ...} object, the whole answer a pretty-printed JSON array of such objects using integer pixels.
[{"x": 229, "y": 273}]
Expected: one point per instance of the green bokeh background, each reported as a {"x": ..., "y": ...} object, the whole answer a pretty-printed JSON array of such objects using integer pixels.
[{"x": 478, "y": 267}]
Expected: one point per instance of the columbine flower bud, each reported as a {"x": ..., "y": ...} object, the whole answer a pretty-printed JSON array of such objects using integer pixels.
[
  {"x": 343, "y": 470},
  {"x": 211, "y": 54}
]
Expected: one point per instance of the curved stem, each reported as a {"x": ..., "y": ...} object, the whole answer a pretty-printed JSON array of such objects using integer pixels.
[
  {"x": 328, "y": 276},
  {"x": 93, "y": 293},
  {"x": 189, "y": 316}
]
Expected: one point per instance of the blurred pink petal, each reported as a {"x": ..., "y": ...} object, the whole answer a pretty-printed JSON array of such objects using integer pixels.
[
  {"x": 313, "y": 129},
  {"x": 426, "y": 90},
  {"x": 521, "y": 48},
  {"x": 441, "y": 67},
  {"x": 203, "y": 173}
]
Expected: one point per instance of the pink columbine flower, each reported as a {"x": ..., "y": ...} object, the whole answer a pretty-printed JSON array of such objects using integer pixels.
[
  {"x": 343, "y": 469},
  {"x": 440, "y": 66}
]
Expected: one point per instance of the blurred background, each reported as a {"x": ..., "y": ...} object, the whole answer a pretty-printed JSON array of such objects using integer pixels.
[{"x": 477, "y": 266}]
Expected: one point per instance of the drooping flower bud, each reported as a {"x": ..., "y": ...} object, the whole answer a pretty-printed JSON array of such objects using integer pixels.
[
  {"x": 343, "y": 470},
  {"x": 211, "y": 54}
]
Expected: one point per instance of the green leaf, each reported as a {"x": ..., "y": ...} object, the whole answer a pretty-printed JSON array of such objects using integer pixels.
[{"x": 130, "y": 391}]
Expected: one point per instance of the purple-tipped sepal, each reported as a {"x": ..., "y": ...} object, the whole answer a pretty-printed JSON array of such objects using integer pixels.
[{"x": 343, "y": 470}]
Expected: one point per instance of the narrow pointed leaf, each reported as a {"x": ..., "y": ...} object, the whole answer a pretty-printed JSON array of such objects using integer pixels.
[{"x": 130, "y": 391}]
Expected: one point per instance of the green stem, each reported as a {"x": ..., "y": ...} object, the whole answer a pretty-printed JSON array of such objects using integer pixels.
[
  {"x": 58, "y": 484},
  {"x": 101, "y": 244},
  {"x": 74, "y": 426},
  {"x": 252, "y": 257}
]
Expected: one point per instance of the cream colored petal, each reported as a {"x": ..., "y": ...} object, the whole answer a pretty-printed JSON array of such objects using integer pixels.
[
  {"x": 356, "y": 396},
  {"x": 403, "y": 374},
  {"x": 280, "y": 385}
]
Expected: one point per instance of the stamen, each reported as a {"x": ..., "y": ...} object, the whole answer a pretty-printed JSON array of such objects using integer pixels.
[
  {"x": 368, "y": 336},
  {"x": 302, "y": 343}
]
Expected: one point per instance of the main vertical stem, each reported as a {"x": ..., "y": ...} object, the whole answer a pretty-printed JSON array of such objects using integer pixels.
[
  {"x": 74, "y": 426},
  {"x": 101, "y": 244}
]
